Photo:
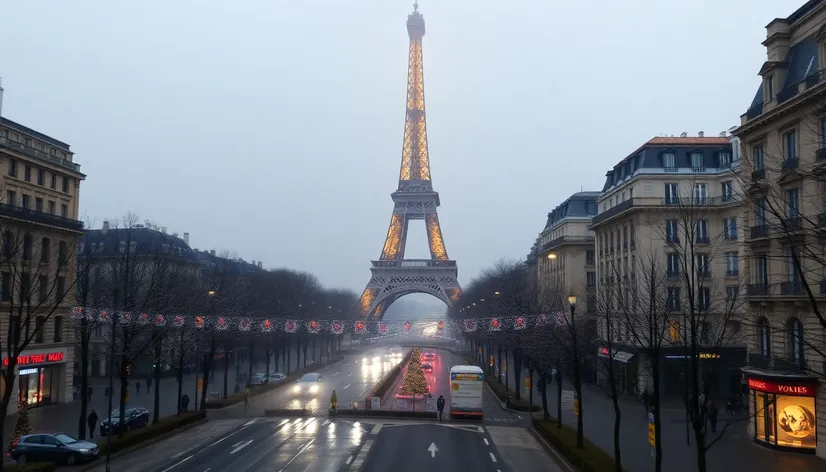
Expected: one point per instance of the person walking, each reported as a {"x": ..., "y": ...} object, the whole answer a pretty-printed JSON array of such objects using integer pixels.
[
  {"x": 246, "y": 398},
  {"x": 138, "y": 388},
  {"x": 185, "y": 403},
  {"x": 92, "y": 421},
  {"x": 89, "y": 394},
  {"x": 712, "y": 416},
  {"x": 440, "y": 405}
]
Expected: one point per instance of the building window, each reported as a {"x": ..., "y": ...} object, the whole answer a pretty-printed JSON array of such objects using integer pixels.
[
  {"x": 58, "y": 329},
  {"x": 5, "y": 289},
  {"x": 39, "y": 323},
  {"x": 724, "y": 159},
  {"x": 45, "y": 250},
  {"x": 704, "y": 298},
  {"x": 27, "y": 247},
  {"x": 697, "y": 161},
  {"x": 65, "y": 184},
  {"x": 793, "y": 268},
  {"x": 760, "y": 213},
  {"x": 796, "y": 342},
  {"x": 769, "y": 88},
  {"x": 12, "y": 168},
  {"x": 703, "y": 265},
  {"x": 702, "y": 231},
  {"x": 705, "y": 333},
  {"x": 790, "y": 145},
  {"x": 26, "y": 201},
  {"x": 732, "y": 292},
  {"x": 8, "y": 244},
  {"x": 589, "y": 255},
  {"x": 64, "y": 210},
  {"x": 758, "y": 157},
  {"x": 61, "y": 288},
  {"x": 669, "y": 160},
  {"x": 52, "y": 207},
  {"x": 762, "y": 269},
  {"x": 62, "y": 253},
  {"x": 38, "y": 204},
  {"x": 54, "y": 181},
  {"x": 591, "y": 279},
  {"x": 41, "y": 176},
  {"x": 673, "y": 300},
  {"x": 25, "y": 287},
  {"x": 27, "y": 173},
  {"x": 726, "y": 191},
  {"x": 700, "y": 194},
  {"x": 732, "y": 264},
  {"x": 673, "y": 264},
  {"x": 671, "y": 197},
  {"x": 793, "y": 203},
  {"x": 730, "y": 227},
  {"x": 43, "y": 286},
  {"x": 11, "y": 197}
]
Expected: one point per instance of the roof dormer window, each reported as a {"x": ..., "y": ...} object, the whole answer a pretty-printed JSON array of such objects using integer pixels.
[
  {"x": 697, "y": 161},
  {"x": 669, "y": 161},
  {"x": 724, "y": 159}
]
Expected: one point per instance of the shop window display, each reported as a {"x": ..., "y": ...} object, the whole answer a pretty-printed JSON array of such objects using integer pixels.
[{"x": 785, "y": 414}]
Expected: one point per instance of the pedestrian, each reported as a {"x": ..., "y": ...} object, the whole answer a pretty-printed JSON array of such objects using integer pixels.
[
  {"x": 246, "y": 398},
  {"x": 89, "y": 393},
  {"x": 712, "y": 416},
  {"x": 334, "y": 400},
  {"x": 185, "y": 402},
  {"x": 92, "y": 421},
  {"x": 440, "y": 405},
  {"x": 138, "y": 388}
]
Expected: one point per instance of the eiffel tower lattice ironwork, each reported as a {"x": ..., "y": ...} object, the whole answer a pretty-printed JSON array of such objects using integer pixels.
[{"x": 393, "y": 276}]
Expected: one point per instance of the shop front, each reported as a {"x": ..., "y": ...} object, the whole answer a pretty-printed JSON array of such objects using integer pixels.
[
  {"x": 719, "y": 371},
  {"x": 785, "y": 411},
  {"x": 41, "y": 376},
  {"x": 624, "y": 369}
]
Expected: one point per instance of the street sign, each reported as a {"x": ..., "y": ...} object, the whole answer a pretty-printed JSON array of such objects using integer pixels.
[
  {"x": 491, "y": 361},
  {"x": 431, "y": 404},
  {"x": 576, "y": 406},
  {"x": 652, "y": 438},
  {"x": 200, "y": 384},
  {"x": 432, "y": 450},
  {"x": 568, "y": 399},
  {"x": 527, "y": 383},
  {"x": 375, "y": 403}
]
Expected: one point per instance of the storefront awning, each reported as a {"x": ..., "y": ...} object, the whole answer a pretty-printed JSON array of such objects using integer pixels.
[{"x": 619, "y": 356}]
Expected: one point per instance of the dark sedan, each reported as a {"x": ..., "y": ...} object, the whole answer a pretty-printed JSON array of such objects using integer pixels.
[
  {"x": 135, "y": 418},
  {"x": 60, "y": 448}
]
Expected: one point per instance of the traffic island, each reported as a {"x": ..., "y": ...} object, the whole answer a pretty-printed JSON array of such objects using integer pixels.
[
  {"x": 256, "y": 390},
  {"x": 354, "y": 412},
  {"x": 286, "y": 412},
  {"x": 589, "y": 458}
]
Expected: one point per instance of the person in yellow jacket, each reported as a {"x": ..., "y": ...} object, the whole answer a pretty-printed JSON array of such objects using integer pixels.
[{"x": 334, "y": 400}]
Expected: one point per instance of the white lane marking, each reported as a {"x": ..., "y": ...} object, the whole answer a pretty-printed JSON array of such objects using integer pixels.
[
  {"x": 300, "y": 451},
  {"x": 250, "y": 421},
  {"x": 241, "y": 446},
  {"x": 492, "y": 457},
  {"x": 335, "y": 373},
  {"x": 345, "y": 387},
  {"x": 236, "y": 444},
  {"x": 349, "y": 459},
  {"x": 486, "y": 441},
  {"x": 282, "y": 423},
  {"x": 481, "y": 430},
  {"x": 208, "y": 469},
  {"x": 179, "y": 463},
  {"x": 350, "y": 374},
  {"x": 188, "y": 450},
  {"x": 376, "y": 429},
  {"x": 362, "y": 455},
  {"x": 325, "y": 423}
]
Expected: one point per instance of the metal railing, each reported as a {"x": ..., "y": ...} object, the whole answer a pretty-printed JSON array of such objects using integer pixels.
[
  {"x": 27, "y": 214},
  {"x": 37, "y": 154},
  {"x": 414, "y": 263}
]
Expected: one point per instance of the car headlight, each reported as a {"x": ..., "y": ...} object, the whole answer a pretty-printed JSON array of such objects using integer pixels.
[
  {"x": 314, "y": 388},
  {"x": 364, "y": 360},
  {"x": 83, "y": 450},
  {"x": 297, "y": 388}
]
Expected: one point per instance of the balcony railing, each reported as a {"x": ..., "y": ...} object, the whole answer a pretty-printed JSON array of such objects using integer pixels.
[
  {"x": 793, "y": 223},
  {"x": 27, "y": 214},
  {"x": 754, "y": 111},
  {"x": 791, "y": 163},
  {"x": 733, "y": 273},
  {"x": 758, "y": 174},
  {"x": 37, "y": 154},
  {"x": 820, "y": 154},
  {"x": 613, "y": 211},
  {"x": 758, "y": 289},
  {"x": 702, "y": 240},
  {"x": 759, "y": 231},
  {"x": 414, "y": 263},
  {"x": 567, "y": 240},
  {"x": 794, "y": 287},
  {"x": 694, "y": 201}
]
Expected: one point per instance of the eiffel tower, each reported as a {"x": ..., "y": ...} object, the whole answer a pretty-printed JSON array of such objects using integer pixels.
[{"x": 393, "y": 276}]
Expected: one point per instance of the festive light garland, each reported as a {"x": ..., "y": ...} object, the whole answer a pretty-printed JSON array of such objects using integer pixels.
[{"x": 312, "y": 326}]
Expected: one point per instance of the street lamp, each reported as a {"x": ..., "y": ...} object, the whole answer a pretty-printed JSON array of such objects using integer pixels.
[
  {"x": 551, "y": 256},
  {"x": 497, "y": 293},
  {"x": 211, "y": 293},
  {"x": 572, "y": 301}
]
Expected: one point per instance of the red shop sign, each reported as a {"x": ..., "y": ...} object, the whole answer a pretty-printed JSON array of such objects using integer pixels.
[
  {"x": 782, "y": 388},
  {"x": 37, "y": 358}
]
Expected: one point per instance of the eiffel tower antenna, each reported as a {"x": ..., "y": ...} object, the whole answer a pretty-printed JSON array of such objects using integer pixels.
[
  {"x": 393, "y": 276},
  {"x": 416, "y": 5}
]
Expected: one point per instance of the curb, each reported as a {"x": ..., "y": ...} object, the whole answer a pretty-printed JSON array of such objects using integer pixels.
[
  {"x": 131, "y": 449},
  {"x": 547, "y": 446}
]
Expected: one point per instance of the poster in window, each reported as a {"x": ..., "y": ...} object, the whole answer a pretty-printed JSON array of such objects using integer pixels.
[{"x": 796, "y": 422}]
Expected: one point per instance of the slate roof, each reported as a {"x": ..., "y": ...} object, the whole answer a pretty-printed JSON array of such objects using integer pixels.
[
  {"x": 802, "y": 60},
  {"x": 580, "y": 204},
  {"x": 233, "y": 267},
  {"x": 34, "y": 134},
  {"x": 650, "y": 156},
  {"x": 147, "y": 242}
]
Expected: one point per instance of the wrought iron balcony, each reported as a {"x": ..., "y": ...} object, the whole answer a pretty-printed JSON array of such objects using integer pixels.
[
  {"x": 758, "y": 174},
  {"x": 702, "y": 240},
  {"x": 791, "y": 163},
  {"x": 37, "y": 154},
  {"x": 27, "y": 214},
  {"x": 794, "y": 287},
  {"x": 793, "y": 223},
  {"x": 759, "y": 231},
  {"x": 567, "y": 240},
  {"x": 613, "y": 211},
  {"x": 733, "y": 273},
  {"x": 820, "y": 154},
  {"x": 758, "y": 289},
  {"x": 413, "y": 263}
]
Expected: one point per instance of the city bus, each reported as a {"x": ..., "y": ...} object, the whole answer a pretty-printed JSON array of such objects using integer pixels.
[{"x": 466, "y": 391}]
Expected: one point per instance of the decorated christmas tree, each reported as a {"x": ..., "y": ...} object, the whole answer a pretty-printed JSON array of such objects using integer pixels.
[
  {"x": 414, "y": 382},
  {"x": 415, "y": 356},
  {"x": 22, "y": 426}
]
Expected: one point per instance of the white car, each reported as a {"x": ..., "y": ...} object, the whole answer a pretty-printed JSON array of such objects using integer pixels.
[
  {"x": 371, "y": 359},
  {"x": 308, "y": 384}
]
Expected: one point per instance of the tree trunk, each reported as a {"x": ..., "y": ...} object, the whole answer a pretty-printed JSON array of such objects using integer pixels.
[
  {"x": 506, "y": 370},
  {"x": 124, "y": 393},
  {"x": 655, "y": 401},
  {"x": 249, "y": 360},
  {"x": 517, "y": 372},
  {"x": 612, "y": 383},
  {"x": 156, "y": 373},
  {"x": 559, "y": 399},
  {"x": 226, "y": 370},
  {"x": 208, "y": 358},
  {"x": 546, "y": 415},
  {"x": 180, "y": 373}
]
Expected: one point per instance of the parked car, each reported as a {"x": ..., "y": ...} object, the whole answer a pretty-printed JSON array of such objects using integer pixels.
[
  {"x": 262, "y": 378},
  {"x": 134, "y": 418},
  {"x": 52, "y": 447},
  {"x": 277, "y": 377}
]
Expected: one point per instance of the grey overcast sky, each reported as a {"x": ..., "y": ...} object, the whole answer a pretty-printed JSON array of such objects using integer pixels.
[{"x": 274, "y": 128}]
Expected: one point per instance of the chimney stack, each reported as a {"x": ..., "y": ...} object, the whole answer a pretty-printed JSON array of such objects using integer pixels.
[
  {"x": 723, "y": 134},
  {"x": 701, "y": 134},
  {"x": 163, "y": 229},
  {"x": 186, "y": 239},
  {"x": 254, "y": 264},
  {"x": 212, "y": 252},
  {"x": 105, "y": 227},
  {"x": 260, "y": 265},
  {"x": 683, "y": 134}
]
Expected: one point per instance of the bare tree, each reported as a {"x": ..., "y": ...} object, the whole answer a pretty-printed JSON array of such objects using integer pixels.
[{"x": 38, "y": 271}]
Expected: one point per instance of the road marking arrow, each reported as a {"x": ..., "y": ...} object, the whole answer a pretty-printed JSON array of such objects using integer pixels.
[{"x": 432, "y": 450}]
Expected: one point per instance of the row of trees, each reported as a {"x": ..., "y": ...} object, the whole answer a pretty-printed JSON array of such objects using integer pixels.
[{"x": 137, "y": 268}]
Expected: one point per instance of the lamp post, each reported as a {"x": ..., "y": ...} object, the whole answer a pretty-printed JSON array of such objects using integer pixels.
[
  {"x": 577, "y": 374},
  {"x": 112, "y": 377}
]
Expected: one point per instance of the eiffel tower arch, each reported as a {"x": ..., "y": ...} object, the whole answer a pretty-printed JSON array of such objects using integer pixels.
[{"x": 393, "y": 276}]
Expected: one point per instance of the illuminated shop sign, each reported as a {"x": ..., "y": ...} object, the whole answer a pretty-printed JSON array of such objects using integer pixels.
[
  {"x": 27, "y": 371},
  {"x": 702, "y": 355},
  {"x": 37, "y": 358},
  {"x": 782, "y": 388}
]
